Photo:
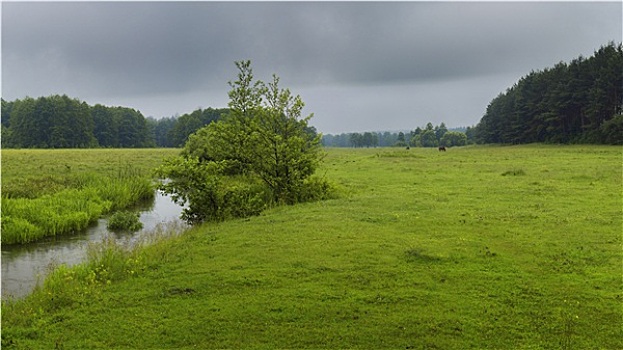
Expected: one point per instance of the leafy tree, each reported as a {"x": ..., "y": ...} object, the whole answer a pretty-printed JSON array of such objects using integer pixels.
[
  {"x": 105, "y": 126},
  {"x": 429, "y": 138},
  {"x": 453, "y": 138},
  {"x": 261, "y": 152},
  {"x": 24, "y": 125},
  {"x": 160, "y": 129},
  {"x": 612, "y": 131},
  {"x": 356, "y": 139},
  {"x": 440, "y": 131},
  {"x": 400, "y": 141},
  {"x": 6, "y": 137}
]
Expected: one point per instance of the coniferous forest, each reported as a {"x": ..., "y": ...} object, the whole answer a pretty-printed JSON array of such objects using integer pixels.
[{"x": 576, "y": 102}]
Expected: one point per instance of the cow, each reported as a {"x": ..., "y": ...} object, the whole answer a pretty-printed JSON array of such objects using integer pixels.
[{"x": 442, "y": 148}]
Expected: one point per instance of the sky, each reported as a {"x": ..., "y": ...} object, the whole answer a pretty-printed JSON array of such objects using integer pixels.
[{"x": 358, "y": 66}]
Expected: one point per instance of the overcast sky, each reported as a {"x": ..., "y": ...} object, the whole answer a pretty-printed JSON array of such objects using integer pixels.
[{"x": 358, "y": 66}]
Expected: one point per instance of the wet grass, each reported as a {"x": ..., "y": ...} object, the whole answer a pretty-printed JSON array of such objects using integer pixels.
[
  {"x": 421, "y": 250},
  {"x": 58, "y": 192}
]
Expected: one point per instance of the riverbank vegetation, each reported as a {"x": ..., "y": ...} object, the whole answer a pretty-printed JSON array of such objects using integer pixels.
[
  {"x": 478, "y": 247},
  {"x": 55, "y": 192}
]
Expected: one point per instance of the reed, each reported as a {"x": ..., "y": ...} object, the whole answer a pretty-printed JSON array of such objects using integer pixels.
[
  {"x": 49, "y": 205},
  {"x": 26, "y": 220}
]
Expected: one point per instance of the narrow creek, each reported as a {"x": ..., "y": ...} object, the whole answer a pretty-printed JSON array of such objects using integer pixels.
[{"x": 23, "y": 266}]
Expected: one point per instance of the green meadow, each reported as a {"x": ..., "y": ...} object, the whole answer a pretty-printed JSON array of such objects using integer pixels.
[
  {"x": 486, "y": 247},
  {"x": 56, "y": 192}
]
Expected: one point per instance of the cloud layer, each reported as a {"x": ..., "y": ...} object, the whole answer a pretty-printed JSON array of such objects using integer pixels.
[{"x": 389, "y": 63}]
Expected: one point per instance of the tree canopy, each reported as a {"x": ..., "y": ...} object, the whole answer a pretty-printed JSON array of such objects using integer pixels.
[
  {"x": 576, "y": 102},
  {"x": 260, "y": 153},
  {"x": 63, "y": 122}
]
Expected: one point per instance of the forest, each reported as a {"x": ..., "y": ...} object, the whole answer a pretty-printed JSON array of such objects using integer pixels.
[
  {"x": 64, "y": 122},
  {"x": 576, "y": 102},
  {"x": 428, "y": 136}
]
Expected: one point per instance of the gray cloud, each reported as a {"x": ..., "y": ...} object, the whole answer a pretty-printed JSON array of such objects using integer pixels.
[{"x": 380, "y": 58}]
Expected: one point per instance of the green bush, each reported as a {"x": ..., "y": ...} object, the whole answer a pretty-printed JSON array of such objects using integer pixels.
[
  {"x": 209, "y": 194},
  {"x": 124, "y": 221},
  {"x": 317, "y": 189}
]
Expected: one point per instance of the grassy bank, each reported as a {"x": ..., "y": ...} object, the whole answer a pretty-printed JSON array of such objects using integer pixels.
[
  {"x": 54, "y": 192},
  {"x": 477, "y": 247}
]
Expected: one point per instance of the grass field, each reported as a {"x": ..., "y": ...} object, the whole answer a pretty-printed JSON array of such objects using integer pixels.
[
  {"x": 475, "y": 248},
  {"x": 56, "y": 192}
]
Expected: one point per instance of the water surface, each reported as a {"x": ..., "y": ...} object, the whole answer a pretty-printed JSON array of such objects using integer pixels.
[{"x": 24, "y": 265}]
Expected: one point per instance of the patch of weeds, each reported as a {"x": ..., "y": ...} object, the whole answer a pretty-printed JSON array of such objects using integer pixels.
[
  {"x": 124, "y": 221},
  {"x": 514, "y": 172}
]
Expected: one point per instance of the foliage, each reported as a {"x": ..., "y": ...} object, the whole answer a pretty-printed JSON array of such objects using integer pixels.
[
  {"x": 428, "y": 137},
  {"x": 260, "y": 154},
  {"x": 453, "y": 138},
  {"x": 423, "y": 251},
  {"x": 188, "y": 124},
  {"x": 61, "y": 122},
  {"x": 579, "y": 102},
  {"x": 124, "y": 221},
  {"x": 207, "y": 194},
  {"x": 54, "y": 122}
]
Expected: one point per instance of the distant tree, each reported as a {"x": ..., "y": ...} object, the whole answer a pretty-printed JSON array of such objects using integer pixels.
[
  {"x": 428, "y": 138},
  {"x": 160, "y": 130},
  {"x": 189, "y": 123},
  {"x": 356, "y": 139},
  {"x": 612, "y": 131},
  {"x": 453, "y": 138},
  {"x": 6, "y": 113},
  {"x": 105, "y": 126},
  {"x": 400, "y": 141},
  {"x": 440, "y": 131},
  {"x": 26, "y": 127},
  {"x": 370, "y": 139}
]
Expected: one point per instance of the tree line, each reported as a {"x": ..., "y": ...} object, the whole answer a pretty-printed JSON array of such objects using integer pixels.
[
  {"x": 63, "y": 122},
  {"x": 576, "y": 102},
  {"x": 428, "y": 136}
]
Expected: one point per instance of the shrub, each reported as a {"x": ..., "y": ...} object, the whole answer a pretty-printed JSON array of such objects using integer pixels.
[
  {"x": 317, "y": 189},
  {"x": 124, "y": 221}
]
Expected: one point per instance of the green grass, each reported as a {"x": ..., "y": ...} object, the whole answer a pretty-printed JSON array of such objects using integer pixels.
[
  {"x": 478, "y": 247},
  {"x": 55, "y": 192}
]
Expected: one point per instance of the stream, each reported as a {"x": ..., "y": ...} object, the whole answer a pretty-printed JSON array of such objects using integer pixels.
[{"x": 23, "y": 266}]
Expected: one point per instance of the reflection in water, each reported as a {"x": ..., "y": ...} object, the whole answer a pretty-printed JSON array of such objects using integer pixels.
[{"x": 24, "y": 265}]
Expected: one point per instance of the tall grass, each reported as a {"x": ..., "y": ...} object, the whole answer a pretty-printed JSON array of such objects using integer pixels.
[{"x": 79, "y": 200}]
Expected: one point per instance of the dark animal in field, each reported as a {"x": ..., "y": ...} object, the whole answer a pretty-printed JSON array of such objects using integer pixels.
[{"x": 442, "y": 148}]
